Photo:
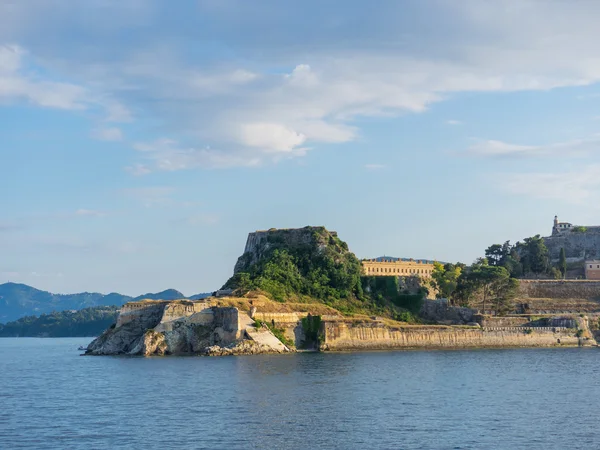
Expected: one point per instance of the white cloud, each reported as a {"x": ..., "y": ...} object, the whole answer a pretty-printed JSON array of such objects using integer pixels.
[
  {"x": 168, "y": 155},
  {"x": 375, "y": 166},
  {"x": 20, "y": 81},
  {"x": 576, "y": 186},
  {"x": 309, "y": 82},
  {"x": 138, "y": 169},
  {"x": 579, "y": 147},
  {"x": 271, "y": 137},
  {"x": 108, "y": 134}
]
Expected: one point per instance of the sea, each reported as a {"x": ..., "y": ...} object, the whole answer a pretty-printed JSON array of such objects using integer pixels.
[{"x": 51, "y": 397}]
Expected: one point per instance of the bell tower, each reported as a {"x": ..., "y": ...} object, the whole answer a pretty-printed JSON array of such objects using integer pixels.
[{"x": 555, "y": 227}]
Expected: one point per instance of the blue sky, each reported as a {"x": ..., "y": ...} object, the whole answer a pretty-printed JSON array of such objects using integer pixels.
[{"x": 141, "y": 140}]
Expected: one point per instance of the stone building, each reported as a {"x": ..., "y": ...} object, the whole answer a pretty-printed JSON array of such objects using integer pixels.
[
  {"x": 396, "y": 267},
  {"x": 592, "y": 269},
  {"x": 560, "y": 227}
]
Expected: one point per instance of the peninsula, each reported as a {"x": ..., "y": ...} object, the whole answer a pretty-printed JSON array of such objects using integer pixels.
[{"x": 303, "y": 289}]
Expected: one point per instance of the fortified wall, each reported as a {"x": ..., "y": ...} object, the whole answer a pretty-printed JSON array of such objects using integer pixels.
[
  {"x": 580, "y": 242},
  {"x": 559, "y": 289},
  {"x": 146, "y": 310},
  {"x": 340, "y": 336}
]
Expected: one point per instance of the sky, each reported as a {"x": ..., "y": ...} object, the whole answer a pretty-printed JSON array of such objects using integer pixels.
[{"x": 142, "y": 140}]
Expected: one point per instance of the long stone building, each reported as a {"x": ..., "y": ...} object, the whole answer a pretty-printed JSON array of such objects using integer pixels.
[{"x": 396, "y": 267}]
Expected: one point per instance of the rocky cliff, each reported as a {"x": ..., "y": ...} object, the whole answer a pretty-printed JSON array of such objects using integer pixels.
[
  {"x": 309, "y": 264},
  {"x": 578, "y": 245},
  {"x": 183, "y": 327},
  {"x": 261, "y": 244}
]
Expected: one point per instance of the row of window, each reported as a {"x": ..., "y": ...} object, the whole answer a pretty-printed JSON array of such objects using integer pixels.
[{"x": 398, "y": 271}]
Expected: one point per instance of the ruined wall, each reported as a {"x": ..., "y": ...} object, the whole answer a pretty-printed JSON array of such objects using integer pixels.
[
  {"x": 280, "y": 318},
  {"x": 341, "y": 336},
  {"x": 439, "y": 311},
  {"x": 559, "y": 289},
  {"x": 141, "y": 311},
  {"x": 183, "y": 308}
]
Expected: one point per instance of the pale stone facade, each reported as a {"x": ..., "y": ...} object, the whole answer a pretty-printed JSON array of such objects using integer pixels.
[
  {"x": 592, "y": 270},
  {"x": 383, "y": 267}
]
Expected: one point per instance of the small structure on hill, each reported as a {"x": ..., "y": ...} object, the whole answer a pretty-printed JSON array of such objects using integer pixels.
[
  {"x": 592, "y": 269},
  {"x": 560, "y": 227}
]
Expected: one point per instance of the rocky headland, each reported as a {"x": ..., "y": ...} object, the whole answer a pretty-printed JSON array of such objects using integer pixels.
[{"x": 303, "y": 289}]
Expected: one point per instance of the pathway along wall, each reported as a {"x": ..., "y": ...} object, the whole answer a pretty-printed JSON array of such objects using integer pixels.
[{"x": 341, "y": 336}]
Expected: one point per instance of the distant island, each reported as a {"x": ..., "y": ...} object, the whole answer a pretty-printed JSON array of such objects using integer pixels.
[
  {"x": 86, "y": 322},
  {"x": 30, "y": 312},
  {"x": 20, "y": 300},
  {"x": 303, "y": 289}
]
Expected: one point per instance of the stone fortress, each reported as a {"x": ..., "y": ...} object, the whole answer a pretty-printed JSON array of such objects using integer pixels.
[
  {"x": 548, "y": 313},
  {"x": 582, "y": 247}
]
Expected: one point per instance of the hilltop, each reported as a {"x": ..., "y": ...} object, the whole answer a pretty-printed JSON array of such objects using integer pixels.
[{"x": 310, "y": 264}]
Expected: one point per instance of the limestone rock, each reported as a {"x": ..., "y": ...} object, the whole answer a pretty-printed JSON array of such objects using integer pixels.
[{"x": 244, "y": 347}]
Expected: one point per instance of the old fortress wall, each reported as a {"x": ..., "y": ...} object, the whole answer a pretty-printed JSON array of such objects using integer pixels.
[
  {"x": 559, "y": 289},
  {"x": 391, "y": 267},
  {"x": 339, "y": 336}
]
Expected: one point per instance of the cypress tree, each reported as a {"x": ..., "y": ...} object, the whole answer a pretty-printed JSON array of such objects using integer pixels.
[{"x": 562, "y": 262}]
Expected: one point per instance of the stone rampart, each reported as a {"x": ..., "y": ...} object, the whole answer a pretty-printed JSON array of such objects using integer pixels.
[
  {"x": 441, "y": 312},
  {"x": 577, "y": 245},
  {"x": 559, "y": 289},
  {"x": 280, "y": 318},
  {"x": 139, "y": 310},
  {"x": 183, "y": 308},
  {"x": 507, "y": 321},
  {"x": 341, "y": 336}
]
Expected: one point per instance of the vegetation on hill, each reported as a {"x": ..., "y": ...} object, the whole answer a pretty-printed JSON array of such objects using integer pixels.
[
  {"x": 481, "y": 285},
  {"x": 527, "y": 259},
  {"x": 312, "y": 264},
  {"x": 83, "y": 323}
]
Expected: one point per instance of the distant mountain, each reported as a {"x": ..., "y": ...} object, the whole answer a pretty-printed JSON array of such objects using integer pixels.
[
  {"x": 86, "y": 322},
  {"x": 169, "y": 294},
  {"x": 19, "y": 300}
]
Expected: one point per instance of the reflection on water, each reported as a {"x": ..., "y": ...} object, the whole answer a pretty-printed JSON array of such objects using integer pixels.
[{"x": 54, "y": 398}]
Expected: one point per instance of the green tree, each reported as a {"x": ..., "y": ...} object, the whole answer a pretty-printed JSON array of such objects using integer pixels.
[
  {"x": 495, "y": 254},
  {"x": 488, "y": 285},
  {"x": 562, "y": 262},
  {"x": 445, "y": 278},
  {"x": 534, "y": 255}
]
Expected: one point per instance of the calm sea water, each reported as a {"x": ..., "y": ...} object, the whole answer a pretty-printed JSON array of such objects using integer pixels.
[{"x": 53, "y": 398}]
